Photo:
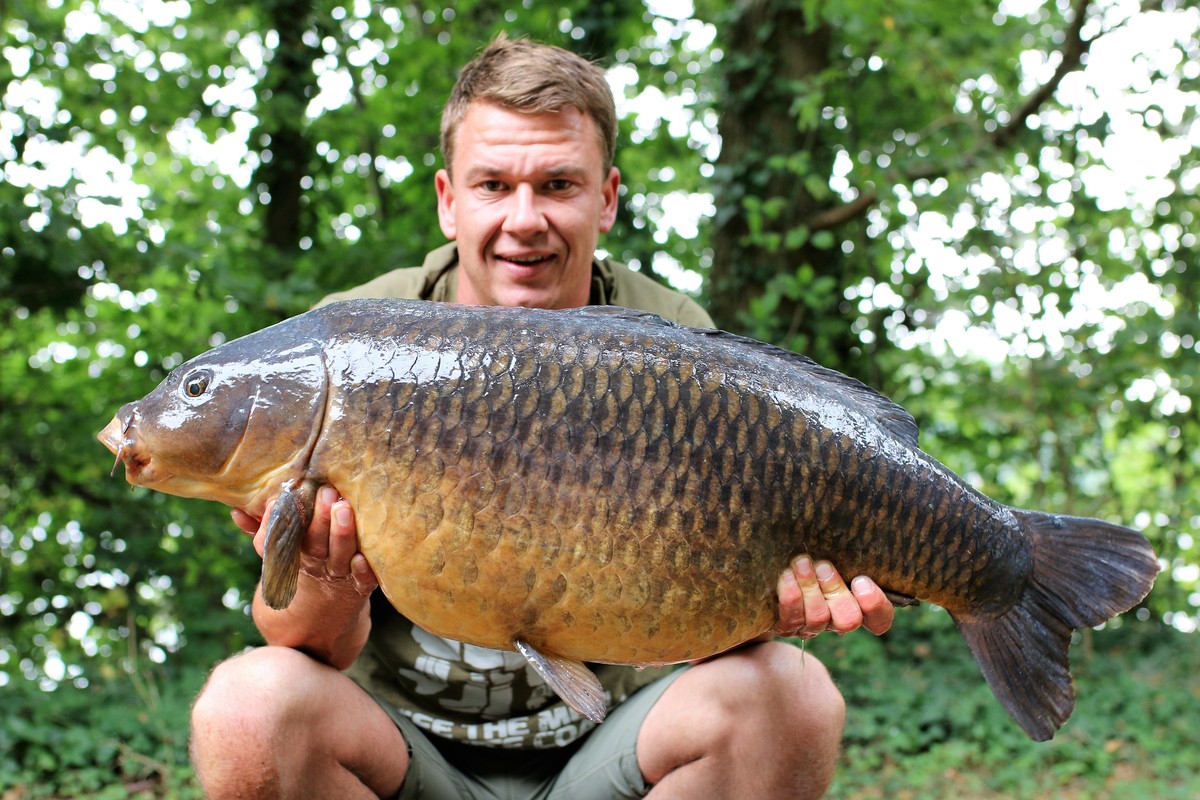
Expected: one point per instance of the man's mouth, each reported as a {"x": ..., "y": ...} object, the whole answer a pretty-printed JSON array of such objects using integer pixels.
[{"x": 534, "y": 260}]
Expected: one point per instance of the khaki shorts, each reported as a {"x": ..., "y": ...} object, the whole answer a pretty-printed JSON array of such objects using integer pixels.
[{"x": 602, "y": 767}]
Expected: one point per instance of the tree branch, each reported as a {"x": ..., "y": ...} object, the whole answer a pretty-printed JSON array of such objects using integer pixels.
[
  {"x": 832, "y": 217},
  {"x": 1072, "y": 54}
]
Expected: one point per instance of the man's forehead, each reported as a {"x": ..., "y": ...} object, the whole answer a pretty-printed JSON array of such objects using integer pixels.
[
  {"x": 494, "y": 140},
  {"x": 494, "y": 122}
]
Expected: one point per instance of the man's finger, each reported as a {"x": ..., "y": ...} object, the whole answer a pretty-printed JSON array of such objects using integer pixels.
[
  {"x": 844, "y": 613},
  {"x": 260, "y": 533},
  {"x": 316, "y": 539},
  {"x": 877, "y": 611},
  {"x": 791, "y": 604},
  {"x": 364, "y": 579},
  {"x": 817, "y": 617},
  {"x": 343, "y": 540},
  {"x": 247, "y": 523}
]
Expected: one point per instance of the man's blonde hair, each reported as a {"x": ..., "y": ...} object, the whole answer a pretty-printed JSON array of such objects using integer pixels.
[{"x": 522, "y": 75}]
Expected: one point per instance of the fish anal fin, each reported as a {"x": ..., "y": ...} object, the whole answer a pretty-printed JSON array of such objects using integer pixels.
[
  {"x": 286, "y": 527},
  {"x": 901, "y": 600},
  {"x": 571, "y": 680}
]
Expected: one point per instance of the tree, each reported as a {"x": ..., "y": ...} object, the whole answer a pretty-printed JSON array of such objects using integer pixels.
[
  {"x": 936, "y": 199},
  {"x": 928, "y": 196}
]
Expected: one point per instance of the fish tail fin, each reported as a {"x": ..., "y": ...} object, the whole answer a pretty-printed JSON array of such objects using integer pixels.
[{"x": 1085, "y": 571}]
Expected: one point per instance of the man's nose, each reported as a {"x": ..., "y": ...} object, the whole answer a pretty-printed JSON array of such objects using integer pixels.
[{"x": 526, "y": 214}]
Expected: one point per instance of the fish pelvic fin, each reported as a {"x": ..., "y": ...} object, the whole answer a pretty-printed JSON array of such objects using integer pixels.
[
  {"x": 1085, "y": 571},
  {"x": 286, "y": 527},
  {"x": 571, "y": 680}
]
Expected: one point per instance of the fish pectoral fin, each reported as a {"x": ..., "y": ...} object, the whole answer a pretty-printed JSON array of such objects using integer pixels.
[
  {"x": 285, "y": 534},
  {"x": 571, "y": 680}
]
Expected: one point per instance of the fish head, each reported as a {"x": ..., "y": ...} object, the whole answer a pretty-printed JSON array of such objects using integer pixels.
[{"x": 229, "y": 425}]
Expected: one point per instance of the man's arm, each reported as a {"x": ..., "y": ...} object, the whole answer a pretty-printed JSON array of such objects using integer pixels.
[{"x": 329, "y": 618}]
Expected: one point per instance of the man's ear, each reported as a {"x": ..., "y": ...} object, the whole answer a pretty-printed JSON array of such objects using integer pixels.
[
  {"x": 608, "y": 214},
  {"x": 445, "y": 204}
]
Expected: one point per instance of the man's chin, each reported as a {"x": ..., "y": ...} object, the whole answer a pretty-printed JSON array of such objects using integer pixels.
[
  {"x": 528, "y": 298},
  {"x": 539, "y": 284},
  {"x": 522, "y": 286}
]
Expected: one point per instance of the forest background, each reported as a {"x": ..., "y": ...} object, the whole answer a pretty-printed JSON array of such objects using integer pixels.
[{"x": 985, "y": 211}]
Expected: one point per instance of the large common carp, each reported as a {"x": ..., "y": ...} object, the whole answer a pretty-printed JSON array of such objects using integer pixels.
[{"x": 601, "y": 485}]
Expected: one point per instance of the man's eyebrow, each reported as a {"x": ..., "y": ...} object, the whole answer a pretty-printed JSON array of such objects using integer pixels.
[
  {"x": 566, "y": 171},
  {"x": 478, "y": 171},
  {"x": 490, "y": 171}
]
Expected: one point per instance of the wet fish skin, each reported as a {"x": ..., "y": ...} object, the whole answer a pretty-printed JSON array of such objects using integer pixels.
[
  {"x": 600, "y": 485},
  {"x": 580, "y": 513}
]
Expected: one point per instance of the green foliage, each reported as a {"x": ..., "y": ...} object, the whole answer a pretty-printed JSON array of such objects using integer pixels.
[
  {"x": 223, "y": 190},
  {"x": 88, "y": 566},
  {"x": 922, "y": 722},
  {"x": 905, "y": 192},
  {"x": 127, "y": 739}
]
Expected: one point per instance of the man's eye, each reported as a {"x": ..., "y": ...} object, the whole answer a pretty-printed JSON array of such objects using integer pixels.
[
  {"x": 492, "y": 186},
  {"x": 559, "y": 185}
]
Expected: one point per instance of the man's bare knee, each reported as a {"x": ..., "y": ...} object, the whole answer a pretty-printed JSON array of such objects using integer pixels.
[
  {"x": 338, "y": 741},
  {"x": 244, "y": 706},
  {"x": 815, "y": 696},
  {"x": 250, "y": 691},
  {"x": 763, "y": 721}
]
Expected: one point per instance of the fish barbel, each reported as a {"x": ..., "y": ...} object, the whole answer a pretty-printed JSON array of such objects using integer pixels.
[{"x": 601, "y": 485}]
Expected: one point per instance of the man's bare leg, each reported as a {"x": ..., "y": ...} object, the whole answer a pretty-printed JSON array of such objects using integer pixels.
[
  {"x": 274, "y": 723},
  {"x": 764, "y": 721}
]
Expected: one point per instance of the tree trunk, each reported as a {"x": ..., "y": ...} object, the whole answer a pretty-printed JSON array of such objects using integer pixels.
[
  {"x": 767, "y": 213},
  {"x": 289, "y": 85}
]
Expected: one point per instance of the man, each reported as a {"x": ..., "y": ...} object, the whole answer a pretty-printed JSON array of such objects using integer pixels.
[{"x": 528, "y": 138}]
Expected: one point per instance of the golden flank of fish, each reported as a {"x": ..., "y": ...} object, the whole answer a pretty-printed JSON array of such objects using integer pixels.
[{"x": 601, "y": 485}]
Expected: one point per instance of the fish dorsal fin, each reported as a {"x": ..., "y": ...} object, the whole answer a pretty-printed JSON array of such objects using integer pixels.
[
  {"x": 888, "y": 414},
  {"x": 634, "y": 315},
  {"x": 571, "y": 680}
]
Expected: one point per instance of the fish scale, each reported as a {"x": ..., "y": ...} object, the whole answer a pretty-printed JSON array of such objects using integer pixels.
[{"x": 599, "y": 485}]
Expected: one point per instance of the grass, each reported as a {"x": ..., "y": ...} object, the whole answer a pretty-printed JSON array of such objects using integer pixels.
[{"x": 922, "y": 725}]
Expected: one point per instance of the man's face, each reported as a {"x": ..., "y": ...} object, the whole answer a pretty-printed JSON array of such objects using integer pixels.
[{"x": 527, "y": 204}]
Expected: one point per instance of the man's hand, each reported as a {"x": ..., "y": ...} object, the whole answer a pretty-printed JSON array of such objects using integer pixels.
[
  {"x": 329, "y": 618},
  {"x": 330, "y": 550},
  {"x": 813, "y": 599}
]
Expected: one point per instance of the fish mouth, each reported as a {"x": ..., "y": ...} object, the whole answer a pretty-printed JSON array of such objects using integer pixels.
[{"x": 117, "y": 437}]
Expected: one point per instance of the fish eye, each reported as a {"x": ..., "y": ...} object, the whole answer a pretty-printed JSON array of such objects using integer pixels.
[{"x": 196, "y": 384}]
